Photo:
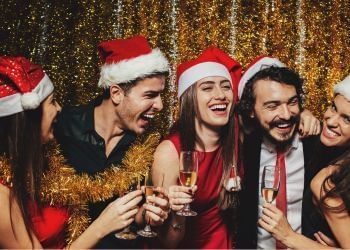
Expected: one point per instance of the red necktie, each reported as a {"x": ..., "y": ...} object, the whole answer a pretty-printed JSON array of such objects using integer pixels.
[{"x": 281, "y": 199}]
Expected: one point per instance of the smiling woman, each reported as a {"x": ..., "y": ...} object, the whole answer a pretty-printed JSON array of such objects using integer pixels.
[{"x": 207, "y": 92}]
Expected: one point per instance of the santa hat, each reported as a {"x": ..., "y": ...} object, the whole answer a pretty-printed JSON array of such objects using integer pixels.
[
  {"x": 212, "y": 62},
  {"x": 343, "y": 88},
  {"x": 125, "y": 60},
  {"x": 259, "y": 63},
  {"x": 23, "y": 85}
]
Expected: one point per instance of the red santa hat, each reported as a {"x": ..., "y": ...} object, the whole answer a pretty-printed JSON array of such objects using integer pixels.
[
  {"x": 23, "y": 85},
  {"x": 343, "y": 88},
  {"x": 125, "y": 60},
  {"x": 259, "y": 63},
  {"x": 212, "y": 62}
]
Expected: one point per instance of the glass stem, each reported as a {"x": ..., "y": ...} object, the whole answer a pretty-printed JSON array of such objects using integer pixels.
[
  {"x": 187, "y": 208},
  {"x": 147, "y": 228}
]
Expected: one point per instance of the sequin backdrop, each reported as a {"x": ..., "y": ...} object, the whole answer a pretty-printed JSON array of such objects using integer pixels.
[{"x": 312, "y": 37}]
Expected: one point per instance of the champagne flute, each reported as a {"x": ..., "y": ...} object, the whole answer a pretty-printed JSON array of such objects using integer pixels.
[
  {"x": 188, "y": 171},
  {"x": 126, "y": 233},
  {"x": 149, "y": 191},
  {"x": 270, "y": 182}
]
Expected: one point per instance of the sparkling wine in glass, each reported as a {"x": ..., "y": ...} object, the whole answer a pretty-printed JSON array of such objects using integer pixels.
[
  {"x": 149, "y": 191},
  {"x": 188, "y": 171},
  {"x": 127, "y": 233},
  {"x": 270, "y": 182}
]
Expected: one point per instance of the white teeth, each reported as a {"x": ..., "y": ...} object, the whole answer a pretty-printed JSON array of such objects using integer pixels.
[
  {"x": 330, "y": 132},
  {"x": 286, "y": 125},
  {"x": 218, "y": 106},
  {"x": 148, "y": 116}
]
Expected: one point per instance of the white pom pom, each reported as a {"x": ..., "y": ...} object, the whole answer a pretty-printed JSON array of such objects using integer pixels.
[
  {"x": 233, "y": 184},
  {"x": 30, "y": 100}
]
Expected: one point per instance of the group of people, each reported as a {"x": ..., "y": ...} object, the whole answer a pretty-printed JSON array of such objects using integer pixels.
[{"x": 237, "y": 123}]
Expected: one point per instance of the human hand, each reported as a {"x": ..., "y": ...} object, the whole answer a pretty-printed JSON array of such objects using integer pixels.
[
  {"x": 157, "y": 207},
  {"x": 309, "y": 124},
  {"x": 119, "y": 213},
  {"x": 274, "y": 221},
  {"x": 325, "y": 240},
  {"x": 180, "y": 195}
]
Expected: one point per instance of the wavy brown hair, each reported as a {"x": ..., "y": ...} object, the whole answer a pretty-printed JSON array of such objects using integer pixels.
[
  {"x": 340, "y": 185},
  {"x": 20, "y": 141}
]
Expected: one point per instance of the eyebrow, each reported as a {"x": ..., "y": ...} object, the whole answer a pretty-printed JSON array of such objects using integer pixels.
[
  {"x": 212, "y": 82},
  {"x": 153, "y": 92},
  {"x": 278, "y": 102}
]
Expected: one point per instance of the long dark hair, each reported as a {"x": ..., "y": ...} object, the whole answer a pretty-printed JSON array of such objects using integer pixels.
[
  {"x": 20, "y": 139},
  {"x": 188, "y": 137},
  {"x": 339, "y": 181}
]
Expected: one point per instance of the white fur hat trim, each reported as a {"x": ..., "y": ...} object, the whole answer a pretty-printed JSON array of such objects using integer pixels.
[
  {"x": 343, "y": 88},
  {"x": 130, "y": 69}
]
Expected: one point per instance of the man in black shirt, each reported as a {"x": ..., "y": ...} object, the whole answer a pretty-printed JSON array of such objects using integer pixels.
[{"x": 97, "y": 135}]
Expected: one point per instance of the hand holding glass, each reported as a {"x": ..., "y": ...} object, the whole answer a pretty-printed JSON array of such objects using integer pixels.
[
  {"x": 149, "y": 191},
  {"x": 188, "y": 171},
  {"x": 270, "y": 182},
  {"x": 126, "y": 233}
]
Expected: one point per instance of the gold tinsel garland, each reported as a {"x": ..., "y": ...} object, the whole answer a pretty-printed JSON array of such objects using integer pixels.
[{"x": 61, "y": 186}]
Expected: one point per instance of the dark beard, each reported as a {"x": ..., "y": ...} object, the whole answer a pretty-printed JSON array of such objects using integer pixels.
[{"x": 294, "y": 120}]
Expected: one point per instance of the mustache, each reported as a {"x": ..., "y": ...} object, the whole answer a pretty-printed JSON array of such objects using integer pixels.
[{"x": 293, "y": 120}]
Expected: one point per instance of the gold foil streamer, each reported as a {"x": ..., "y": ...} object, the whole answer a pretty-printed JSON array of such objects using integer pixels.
[
  {"x": 316, "y": 18},
  {"x": 281, "y": 21},
  {"x": 310, "y": 36},
  {"x": 63, "y": 187},
  {"x": 251, "y": 30}
]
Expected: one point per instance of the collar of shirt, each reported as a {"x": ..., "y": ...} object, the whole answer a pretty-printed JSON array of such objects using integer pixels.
[
  {"x": 89, "y": 125},
  {"x": 271, "y": 147}
]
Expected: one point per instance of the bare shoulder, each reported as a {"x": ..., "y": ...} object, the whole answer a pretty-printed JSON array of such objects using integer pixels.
[
  {"x": 166, "y": 160},
  {"x": 166, "y": 151}
]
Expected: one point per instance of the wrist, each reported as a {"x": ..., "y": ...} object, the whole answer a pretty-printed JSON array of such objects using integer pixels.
[{"x": 289, "y": 238}]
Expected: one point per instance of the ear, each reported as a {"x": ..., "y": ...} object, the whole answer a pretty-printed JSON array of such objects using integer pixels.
[
  {"x": 117, "y": 93},
  {"x": 252, "y": 114}
]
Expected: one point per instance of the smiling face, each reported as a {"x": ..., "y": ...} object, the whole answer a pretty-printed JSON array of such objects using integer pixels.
[
  {"x": 276, "y": 109},
  {"x": 50, "y": 110},
  {"x": 141, "y": 103},
  {"x": 214, "y": 99},
  {"x": 336, "y": 129}
]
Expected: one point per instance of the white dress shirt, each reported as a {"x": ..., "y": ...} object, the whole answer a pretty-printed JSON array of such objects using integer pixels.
[{"x": 294, "y": 160}]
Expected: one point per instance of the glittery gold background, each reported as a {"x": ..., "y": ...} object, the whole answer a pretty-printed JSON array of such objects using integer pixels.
[{"x": 312, "y": 37}]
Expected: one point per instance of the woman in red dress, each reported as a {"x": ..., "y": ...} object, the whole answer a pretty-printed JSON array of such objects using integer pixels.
[
  {"x": 27, "y": 112},
  {"x": 207, "y": 92}
]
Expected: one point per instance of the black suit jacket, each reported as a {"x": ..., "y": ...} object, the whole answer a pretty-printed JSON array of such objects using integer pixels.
[{"x": 249, "y": 196}]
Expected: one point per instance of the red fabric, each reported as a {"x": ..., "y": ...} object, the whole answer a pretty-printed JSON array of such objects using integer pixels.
[
  {"x": 118, "y": 50},
  {"x": 18, "y": 75},
  {"x": 49, "y": 226},
  {"x": 207, "y": 230},
  {"x": 281, "y": 199}
]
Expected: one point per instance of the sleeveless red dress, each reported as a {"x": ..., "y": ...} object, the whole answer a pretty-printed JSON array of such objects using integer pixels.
[
  {"x": 49, "y": 226},
  {"x": 207, "y": 230}
]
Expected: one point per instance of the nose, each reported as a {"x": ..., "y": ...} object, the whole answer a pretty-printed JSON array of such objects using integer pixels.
[
  {"x": 332, "y": 119},
  {"x": 219, "y": 93},
  {"x": 158, "y": 104},
  {"x": 284, "y": 113}
]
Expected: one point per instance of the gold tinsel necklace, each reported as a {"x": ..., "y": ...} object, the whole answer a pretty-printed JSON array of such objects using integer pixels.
[{"x": 61, "y": 186}]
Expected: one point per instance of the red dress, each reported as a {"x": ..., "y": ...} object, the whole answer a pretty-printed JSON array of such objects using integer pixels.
[
  {"x": 207, "y": 230},
  {"x": 49, "y": 226}
]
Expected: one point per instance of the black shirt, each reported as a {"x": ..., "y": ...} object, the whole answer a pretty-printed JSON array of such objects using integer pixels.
[{"x": 84, "y": 149}]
